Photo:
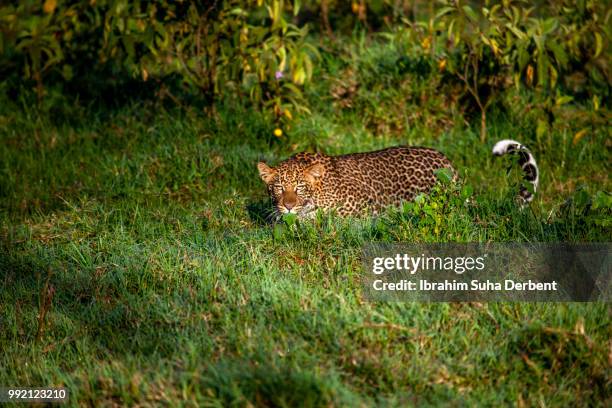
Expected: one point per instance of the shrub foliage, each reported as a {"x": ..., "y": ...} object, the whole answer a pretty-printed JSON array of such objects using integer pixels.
[{"x": 259, "y": 51}]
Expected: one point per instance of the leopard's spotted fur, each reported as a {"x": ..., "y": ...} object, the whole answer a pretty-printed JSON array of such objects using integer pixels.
[{"x": 355, "y": 182}]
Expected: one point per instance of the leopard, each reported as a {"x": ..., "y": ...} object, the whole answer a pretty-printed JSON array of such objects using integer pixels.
[{"x": 368, "y": 182}]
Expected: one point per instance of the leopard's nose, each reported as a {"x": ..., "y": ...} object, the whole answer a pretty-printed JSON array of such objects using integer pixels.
[{"x": 289, "y": 199}]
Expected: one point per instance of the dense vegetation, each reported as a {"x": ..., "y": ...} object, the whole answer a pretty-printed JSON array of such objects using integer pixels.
[{"x": 135, "y": 260}]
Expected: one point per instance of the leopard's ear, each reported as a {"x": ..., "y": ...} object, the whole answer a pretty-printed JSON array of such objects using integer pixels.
[
  {"x": 266, "y": 172},
  {"x": 314, "y": 172}
]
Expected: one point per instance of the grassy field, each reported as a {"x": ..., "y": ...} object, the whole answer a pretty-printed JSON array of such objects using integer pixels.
[{"x": 137, "y": 268}]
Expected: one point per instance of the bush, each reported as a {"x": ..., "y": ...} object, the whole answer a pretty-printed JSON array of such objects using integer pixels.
[
  {"x": 500, "y": 45},
  {"x": 445, "y": 60},
  {"x": 233, "y": 48}
]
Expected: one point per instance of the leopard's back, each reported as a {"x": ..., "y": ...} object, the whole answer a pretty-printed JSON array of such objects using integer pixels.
[{"x": 384, "y": 177}]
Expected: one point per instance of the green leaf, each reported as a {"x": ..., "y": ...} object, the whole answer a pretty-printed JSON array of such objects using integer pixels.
[
  {"x": 518, "y": 33},
  {"x": 466, "y": 191},
  {"x": 602, "y": 200},
  {"x": 562, "y": 100},
  {"x": 598, "y": 44},
  {"x": 444, "y": 175},
  {"x": 296, "y": 7},
  {"x": 470, "y": 13},
  {"x": 428, "y": 210},
  {"x": 558, "y": 52},
  {"x": 523, "y": 56},
  {"x": 408, "y": 207},
  {"x": 549, "y": 25},
  {"x": 67, "y": 72},
  {"x": 543, "y": 64},
  {"x": 443, "y": 11},
  {"x": 290, "y": 220},
  {"x": 299, "y": 76}
]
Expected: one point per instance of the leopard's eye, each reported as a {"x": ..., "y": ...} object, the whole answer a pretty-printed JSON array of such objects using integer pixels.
[
  {"x": 278, "y": 188},
  {"x": 300, "y": 188}
]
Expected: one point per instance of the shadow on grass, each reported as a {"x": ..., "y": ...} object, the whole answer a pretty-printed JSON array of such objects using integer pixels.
[
  {"x": 265, "y": 383},
  {"x": 259, "y": 212},
  {"x": 99, "y": 303}
]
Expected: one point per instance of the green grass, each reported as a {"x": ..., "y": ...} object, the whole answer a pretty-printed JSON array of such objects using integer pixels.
[{"x": 136, "y": 268}]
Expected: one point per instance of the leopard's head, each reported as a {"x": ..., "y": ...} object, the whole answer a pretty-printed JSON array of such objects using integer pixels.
[{"x": 292, "y": 186}]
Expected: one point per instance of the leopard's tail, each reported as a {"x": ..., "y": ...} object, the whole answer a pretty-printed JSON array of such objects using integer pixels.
[{"x": 527, "y": 163}]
